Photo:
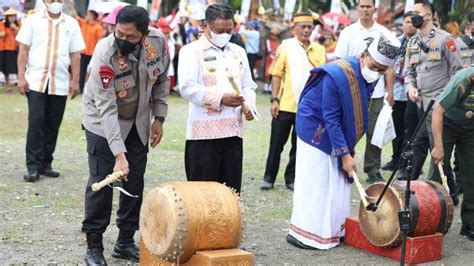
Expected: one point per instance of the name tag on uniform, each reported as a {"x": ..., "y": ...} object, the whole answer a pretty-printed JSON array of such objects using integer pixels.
[
  {"x": 123, "y": 74},
  {"x": 209, "y": 58}
]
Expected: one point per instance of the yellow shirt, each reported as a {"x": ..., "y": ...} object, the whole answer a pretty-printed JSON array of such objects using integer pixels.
[{"x": 280, "y": 67}]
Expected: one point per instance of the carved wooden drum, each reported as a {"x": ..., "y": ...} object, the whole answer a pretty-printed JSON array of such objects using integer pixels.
[
  {"x": 179, "y": 218},
  {"x": 431, "y": 210}
]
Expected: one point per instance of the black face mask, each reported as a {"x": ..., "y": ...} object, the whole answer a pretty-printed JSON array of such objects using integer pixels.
[
  {"x": 125, "y": 46},
  {"x": 417, "y": 21}
]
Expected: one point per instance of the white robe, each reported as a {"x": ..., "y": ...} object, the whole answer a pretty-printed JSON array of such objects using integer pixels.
[{"x": 321, "y": 200}]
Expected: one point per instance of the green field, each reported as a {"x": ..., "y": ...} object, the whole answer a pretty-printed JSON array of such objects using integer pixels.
[{"x": 43, "y": 235}]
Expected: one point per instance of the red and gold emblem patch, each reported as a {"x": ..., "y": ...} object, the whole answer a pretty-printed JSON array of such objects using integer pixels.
[
  {"x": 106, "y": 74},
  {"x": 451, "y": 45}
]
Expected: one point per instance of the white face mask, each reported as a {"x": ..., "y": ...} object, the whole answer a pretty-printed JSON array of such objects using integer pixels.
[
  {"x": 55, "y": 7},
  {"x": 369, "y": 75},
  {"x": 220, "y": 40}
]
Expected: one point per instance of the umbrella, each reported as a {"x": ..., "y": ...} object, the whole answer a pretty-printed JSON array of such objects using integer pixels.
[
  {"x": 107, "y": 7},
  {"x": 332, "y": 17}
]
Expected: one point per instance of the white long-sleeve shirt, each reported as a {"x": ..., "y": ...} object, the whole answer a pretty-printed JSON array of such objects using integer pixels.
[{"x": 203, "y": 78}]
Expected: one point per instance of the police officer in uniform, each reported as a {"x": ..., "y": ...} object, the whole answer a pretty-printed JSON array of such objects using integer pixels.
[
  {"x": 432, "y": 58},
  {"x": 467, "y": 52},
  {"x": 453, "y": 124},
  {"x": 128, "y": 85}
]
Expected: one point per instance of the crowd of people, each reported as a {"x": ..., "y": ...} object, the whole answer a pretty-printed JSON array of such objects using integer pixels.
[{"x": 328, "y": 85}]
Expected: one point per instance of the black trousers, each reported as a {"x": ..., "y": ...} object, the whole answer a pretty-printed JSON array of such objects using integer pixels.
[
  {"x": 98, "y": 205},
  {"x": 421, "y": 143},
  {"x": 45, "y": 113},
  {"x": 85, "y": 60},
  {"x": 217, "y": 160},
  {"x": 398, "y": 116},
  {"x": 281, "y": 128}
]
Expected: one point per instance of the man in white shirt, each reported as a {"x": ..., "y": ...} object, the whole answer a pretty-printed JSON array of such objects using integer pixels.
[
  {"x": 353, "y": 41},
  {"x": 214, "y": 75},
  {"x": 50, "y": 42}
]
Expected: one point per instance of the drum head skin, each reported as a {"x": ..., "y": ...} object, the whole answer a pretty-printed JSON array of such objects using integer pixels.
[
  {"x": 431, "y": 211},
  {"x": 381, "y": 228},
  {"x": 163, "y": 221},
  {"x": 180, "y": 218}
]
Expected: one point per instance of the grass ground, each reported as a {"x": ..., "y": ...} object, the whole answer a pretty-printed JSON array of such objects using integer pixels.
[{"x": 40, "y": 223}]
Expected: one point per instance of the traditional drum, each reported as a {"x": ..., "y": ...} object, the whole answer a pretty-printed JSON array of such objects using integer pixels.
[
  {"x": 431, "y": 210},
  {"x": 179, "y": 218}
]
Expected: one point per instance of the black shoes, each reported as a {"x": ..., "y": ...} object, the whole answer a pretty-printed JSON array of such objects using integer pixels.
[
  {"x": 95, "y": 257},
  {"x": 95, "y": 250},
  {"x": 467, "y": 230},
  {"x": 31, "y": 176},
  {"x": 375, "y": 178},
  {"x": 454, "y": 197},
  {"x": 49, "y": 172},
  {"x": 126, "y": 251},
  {"x": 125, "y": 247},
  {"x": 34, "y": 175},
  {"x": 390, "y": 166},
  {"x": 295, "y": 242},
  {"x": 266, "y": 185}
]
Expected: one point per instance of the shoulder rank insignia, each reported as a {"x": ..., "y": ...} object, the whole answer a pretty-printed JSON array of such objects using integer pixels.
[
  {"x": 150, "y": 50},
  {"x": 106, "y": 74}
]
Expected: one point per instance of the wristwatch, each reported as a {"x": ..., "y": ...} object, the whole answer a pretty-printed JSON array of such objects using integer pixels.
[
  {"x": 272, "y": 99},
  {"x": 159, "y": 118}
]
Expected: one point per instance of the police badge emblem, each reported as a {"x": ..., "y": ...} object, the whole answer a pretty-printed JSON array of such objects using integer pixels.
[
  {"x": 122, "y": 94},
  {"x": 122, "y": 62}
]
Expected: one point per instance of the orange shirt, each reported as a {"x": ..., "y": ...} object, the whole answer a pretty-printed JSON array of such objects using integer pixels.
[
  {"x": 10, "y": 44},
  {"x": 92, "y": 33},
  {"x": 2, "y": 39}
]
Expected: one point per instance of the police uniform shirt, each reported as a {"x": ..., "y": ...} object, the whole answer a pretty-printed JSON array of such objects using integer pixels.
[
  {"x": 122, "y": 91},
  {"x": 467, "y": 53},
  {"x": 430, "y": 72}
]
